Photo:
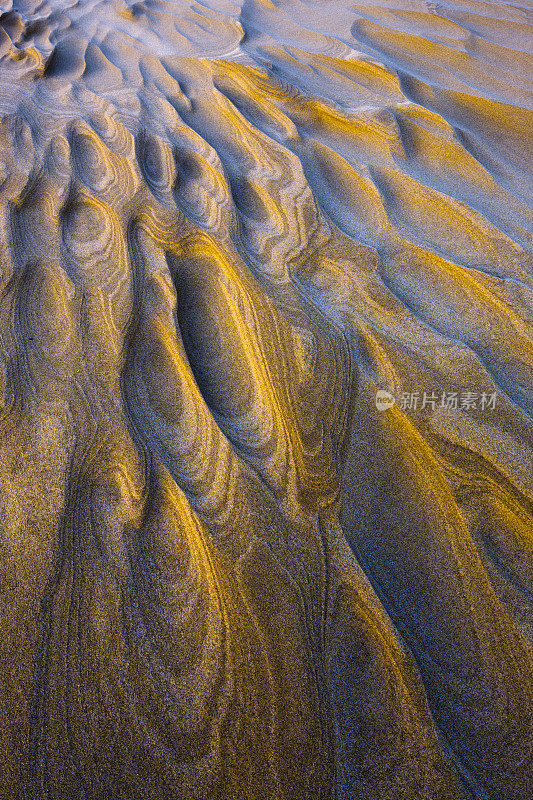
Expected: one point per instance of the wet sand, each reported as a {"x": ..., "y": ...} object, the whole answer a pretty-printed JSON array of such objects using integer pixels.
[{"x": 266, "y": 374}]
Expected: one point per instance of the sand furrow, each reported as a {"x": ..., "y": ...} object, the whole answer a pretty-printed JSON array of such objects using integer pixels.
[{"x": 266, "y": 374}]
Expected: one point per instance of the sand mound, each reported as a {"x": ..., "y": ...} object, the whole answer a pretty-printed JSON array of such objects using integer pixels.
[{"x": 267, "y": 379}]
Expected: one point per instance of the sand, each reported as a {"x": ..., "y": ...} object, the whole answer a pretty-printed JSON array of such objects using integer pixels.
[{"x": 266, "y": 373}]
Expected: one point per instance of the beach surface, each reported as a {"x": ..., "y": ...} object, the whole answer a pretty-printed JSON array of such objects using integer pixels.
[{"x": 266, "y": 387}]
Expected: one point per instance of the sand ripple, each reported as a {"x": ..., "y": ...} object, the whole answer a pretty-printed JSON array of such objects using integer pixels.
[{"x": 266, "y": 374}]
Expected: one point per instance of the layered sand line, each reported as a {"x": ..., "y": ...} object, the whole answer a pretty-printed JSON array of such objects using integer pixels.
[{"x": 228, "y": 569}]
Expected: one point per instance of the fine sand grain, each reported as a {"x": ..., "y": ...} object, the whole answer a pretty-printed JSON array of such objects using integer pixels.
[{"x": 266, "y": 375}]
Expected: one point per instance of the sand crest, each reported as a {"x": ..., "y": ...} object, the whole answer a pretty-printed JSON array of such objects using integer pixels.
[{"x": 266, "y": 444}]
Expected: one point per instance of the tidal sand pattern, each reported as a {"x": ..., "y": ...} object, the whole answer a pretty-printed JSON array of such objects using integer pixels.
[{"x": 266, "y": 371}]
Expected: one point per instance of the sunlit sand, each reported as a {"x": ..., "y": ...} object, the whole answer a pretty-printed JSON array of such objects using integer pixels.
[{"x": 266, "y": 522}]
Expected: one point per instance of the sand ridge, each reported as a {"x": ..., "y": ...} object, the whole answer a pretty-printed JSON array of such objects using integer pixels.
[{"x": 225, "y": 569}]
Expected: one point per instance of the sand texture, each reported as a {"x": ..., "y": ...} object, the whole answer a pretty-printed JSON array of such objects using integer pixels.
[{"x": 229, "y": 569}]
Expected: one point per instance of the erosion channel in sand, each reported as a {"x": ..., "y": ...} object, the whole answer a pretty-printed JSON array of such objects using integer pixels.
[{"x": 266, "y": 373}]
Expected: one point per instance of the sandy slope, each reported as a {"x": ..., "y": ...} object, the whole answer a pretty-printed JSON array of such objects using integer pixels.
[{"x": 224, "y": 573}]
